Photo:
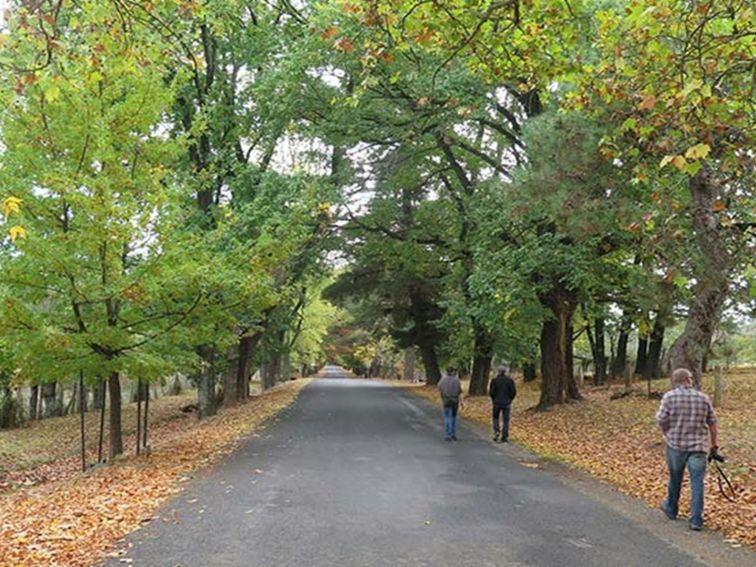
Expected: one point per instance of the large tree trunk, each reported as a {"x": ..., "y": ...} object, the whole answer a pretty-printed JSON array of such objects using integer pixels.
[
  {"x": 33, "y": 401},
  {"x": 557, "y": 379},
  {"x": 269, "y": 373},
  {"x": 620, "y": 358},
  {"x": 655, "y": 344},
  {"x": 641, "y": 353},
  {"x": 98, "y": 395},
  {"x": 206, "y": 401},
  {"x": 116, "y": 435},
  {"x": 596, "y": 337},
  {"x": 408, "y": 369},
  {"x": 573, "y": 392},
  {"x": 285, "y": 371},
  {"x": 430, "y": 362},
  {"x": 231, "y": 394},
  {"x": 50, "y": 406},
  {"x": 599, "y": 360},
  {"x": 482, "y": 359},
  {"x": 529, "y": 372},
  {"x": 713, "y": 275},
  {"x": 246, "y": 347}
]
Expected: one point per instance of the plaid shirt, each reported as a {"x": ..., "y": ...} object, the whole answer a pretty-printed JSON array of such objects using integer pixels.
[{"x": 684, "y": 416}]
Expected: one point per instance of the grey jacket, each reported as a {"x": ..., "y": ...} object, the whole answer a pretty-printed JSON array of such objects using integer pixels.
[{"x": 450, "y": 389}]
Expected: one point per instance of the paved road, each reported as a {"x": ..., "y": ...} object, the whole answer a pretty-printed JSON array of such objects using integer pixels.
[{"x": 357, "y": 473}]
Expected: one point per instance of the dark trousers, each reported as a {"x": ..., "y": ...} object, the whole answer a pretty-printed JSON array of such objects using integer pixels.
[{"x": 504, "y": 412}]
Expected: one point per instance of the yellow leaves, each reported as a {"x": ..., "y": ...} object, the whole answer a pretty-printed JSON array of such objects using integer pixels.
[
  {"x": 676, "y": 160},
  {"x": 699, "y": 151},
  {"x": 689, "y": 163},
  {"x": 679, "y": 162},
  {"x": 11, "y": 205},
  {"x": 17, "y": 232}
]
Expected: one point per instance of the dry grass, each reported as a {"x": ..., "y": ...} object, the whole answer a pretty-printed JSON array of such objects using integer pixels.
[{"x": 44, "y": 450}]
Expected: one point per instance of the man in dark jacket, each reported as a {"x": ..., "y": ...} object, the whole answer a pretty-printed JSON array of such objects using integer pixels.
[{"x": 502, "y": 391}]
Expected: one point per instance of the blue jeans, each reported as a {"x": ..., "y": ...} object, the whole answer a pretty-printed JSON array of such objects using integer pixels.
[
  {"x": 504, "y": 411},
  {"x": 676, "y": 461},
  {"x": 450, "y": 420}
]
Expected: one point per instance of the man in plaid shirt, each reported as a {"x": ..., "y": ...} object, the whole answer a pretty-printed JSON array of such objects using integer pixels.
[{"x": 686, "y": 418}]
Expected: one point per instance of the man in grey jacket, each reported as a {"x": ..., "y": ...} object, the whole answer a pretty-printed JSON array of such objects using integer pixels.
[{"x": 450, "y": 390}]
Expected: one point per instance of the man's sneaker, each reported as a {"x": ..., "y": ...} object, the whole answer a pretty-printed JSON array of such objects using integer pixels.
[
  {"x": 504, "y": 439},
  {"x": 496, "y": 436},
  {"x": 696, "y": 527},
  {"x": 454, "y": 437}
]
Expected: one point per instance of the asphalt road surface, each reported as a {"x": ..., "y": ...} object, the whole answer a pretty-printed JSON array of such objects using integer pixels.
[{"x": 357, "y": 473}]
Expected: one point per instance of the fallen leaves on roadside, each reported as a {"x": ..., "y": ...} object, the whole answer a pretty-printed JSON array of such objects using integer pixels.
[
  {"x": 75, "y": 522},
  {"x": 618, "y": 441}
]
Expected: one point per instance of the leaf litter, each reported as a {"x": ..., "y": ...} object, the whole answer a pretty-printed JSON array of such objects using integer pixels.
[
  {"x": 76, "y": 519},
  {"x": 619, "y": 442}
]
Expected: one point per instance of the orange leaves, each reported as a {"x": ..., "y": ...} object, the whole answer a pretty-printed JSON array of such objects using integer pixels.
[
  {"x": 74, "y": 522},
  {"x": 329, "y": 33},
  {"x": 618, "y": 441},
  {"x": 647, "y": 103},
  {"x": 344, "y": 44}
]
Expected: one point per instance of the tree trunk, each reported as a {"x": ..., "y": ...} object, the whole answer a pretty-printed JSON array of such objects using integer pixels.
[
  {"x": 82, "y": 431},
  {"x": 99, "y": 395},
  {"x": 116, "y": 435},
  {"x": 50, "y": 407},
  {"x": 430, "y": 362},
  {"x": 246, "y": 348},
  {"x": 481, "y": 362},
  {"x": 268, "y": 374},
  {"x": 715, "y": 263},
  {"x": 573, "y": 392},
  {"x": 653, "y": 355},
  {"x": 529, "y": 372},
  {"x": 620, "y": 358},
  {"x": 101, "y": 431},
  {"x": 206, "y": 402},
  {"x": 557, "y": 379},
  {"x": 33, "y": 401},
  {"x": 598, "y": 348},
  {"x": 285, "y": 370},
  {"x": 641, "y": 354},
  {"x": 71, "y": 406},
  {"x": 231, "y": 393},
  {"x": 83, "y": 395},
  {"x": 408, "y": 370}
]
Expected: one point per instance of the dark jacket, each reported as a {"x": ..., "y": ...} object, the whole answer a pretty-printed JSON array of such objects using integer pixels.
[{"x": 502, "y": 390}]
